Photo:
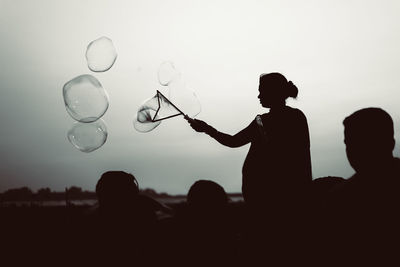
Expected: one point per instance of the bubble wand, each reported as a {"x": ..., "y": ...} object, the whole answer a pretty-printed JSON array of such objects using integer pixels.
[{"x": 159, "y": 95}]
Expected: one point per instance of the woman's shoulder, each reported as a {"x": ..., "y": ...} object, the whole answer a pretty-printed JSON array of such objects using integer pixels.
[
  {"x": 296, "y": 113},
  {"x": 288, "y": 111}
]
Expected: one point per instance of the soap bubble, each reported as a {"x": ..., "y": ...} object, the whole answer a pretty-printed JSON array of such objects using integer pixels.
[
  {"x": 88, "y": 137},
  {"x": 167, "y": 73},
  {"x": 144, "y": 119},
  {"x": 101, "y": 54},
  {"x": 85, "y": 99},
  {"x": 185, "y": 99}
]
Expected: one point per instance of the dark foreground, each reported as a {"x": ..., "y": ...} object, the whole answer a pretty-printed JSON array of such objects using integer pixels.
[{"x": 75, "y": 235}]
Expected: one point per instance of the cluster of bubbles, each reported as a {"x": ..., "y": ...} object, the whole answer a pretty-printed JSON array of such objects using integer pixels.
[
  {"x": 86, "y": 101},
  {"x": 180, "y": 101}
]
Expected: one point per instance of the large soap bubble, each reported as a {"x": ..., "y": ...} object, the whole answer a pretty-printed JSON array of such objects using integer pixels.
[
  {"x": 85, "y": 99},
  {"x": 101, "y": 54},
  {"x": 167, "y": 73},
  {"x": 146, "y": 113},
  {"x": 185, "y": 99},
  {"x": 88, "y": 137}
]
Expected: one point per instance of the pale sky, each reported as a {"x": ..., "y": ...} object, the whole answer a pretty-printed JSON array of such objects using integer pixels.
[{"x": 342, "y": 55}]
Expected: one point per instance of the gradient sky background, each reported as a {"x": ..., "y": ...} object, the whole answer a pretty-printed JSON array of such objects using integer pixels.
[{"x": 343, "y": 55}]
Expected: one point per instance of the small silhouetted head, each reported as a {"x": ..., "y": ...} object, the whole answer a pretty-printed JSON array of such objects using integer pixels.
[
  {"x": 369, "y": 138},
  {"x": 274, "y": 89},
  {"x": 320, "y": 187},
  {"x": 116, "y": 189},
  {"x": 205, "y": 194}
]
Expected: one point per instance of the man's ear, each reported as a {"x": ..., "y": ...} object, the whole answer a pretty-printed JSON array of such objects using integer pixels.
[{"x": 393, "y": 143}]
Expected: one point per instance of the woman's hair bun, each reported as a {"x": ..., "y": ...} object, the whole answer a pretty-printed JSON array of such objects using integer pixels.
[
  {"x": 291, "y": 89},
  {"x": 278, "y": 82}
]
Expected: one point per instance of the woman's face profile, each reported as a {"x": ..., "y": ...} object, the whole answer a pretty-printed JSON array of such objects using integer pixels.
[
  {"x": 267, "y": 95},
  {"x": 263, "y": 98}
]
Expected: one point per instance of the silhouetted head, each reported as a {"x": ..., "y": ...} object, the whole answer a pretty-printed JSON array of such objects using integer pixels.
[
  {"x": 206, "y": 195},
  {"x": 116, "y": 189},
  {"x": 320, "y": 187},
  {"x": 369, "y": 138},
  {"x": 320, "y": 192},
  {"x": 274, "y": 89}
]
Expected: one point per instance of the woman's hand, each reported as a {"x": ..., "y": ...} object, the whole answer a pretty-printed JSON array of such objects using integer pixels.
[{"x": 198, "y": 125}]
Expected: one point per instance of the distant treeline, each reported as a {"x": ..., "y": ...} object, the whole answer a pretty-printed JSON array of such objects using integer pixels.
[
  {"x": 71, "y": 193},
  {"x": 43, "y": 194}
]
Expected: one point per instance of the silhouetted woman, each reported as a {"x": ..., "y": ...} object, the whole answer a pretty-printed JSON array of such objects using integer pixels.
[{"x": 278, "y": 163}]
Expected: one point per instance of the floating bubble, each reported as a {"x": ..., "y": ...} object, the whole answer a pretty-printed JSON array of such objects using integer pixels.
[
  {"x": 167, "y": 73},
  {"x": 85, "y": 99},
  {"x": 88, "y": 137},
  {"x": 101, "y": 54},
  {"x": 183, "y": 98},
  {"x": 146, "y": 113}
]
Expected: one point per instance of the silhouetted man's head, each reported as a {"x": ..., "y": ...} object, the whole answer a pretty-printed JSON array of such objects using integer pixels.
[
  {"x": 369, "y": 138},
  {"x": 205, "y": 194},
  {"x": 116, "y": 189},
  {"x": 274, "y": 89}
]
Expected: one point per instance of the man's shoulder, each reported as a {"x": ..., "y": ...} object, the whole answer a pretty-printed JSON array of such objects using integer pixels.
[
  {"x": 346, "y": 186},
  {"x": 397, "y": 163}
]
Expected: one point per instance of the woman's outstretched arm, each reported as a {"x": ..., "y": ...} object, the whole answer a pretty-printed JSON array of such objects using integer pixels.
[{"x": 241, "y": 138}]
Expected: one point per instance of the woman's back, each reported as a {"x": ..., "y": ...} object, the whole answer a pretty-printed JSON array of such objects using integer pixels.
[{"x": 278, "y": 161}]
